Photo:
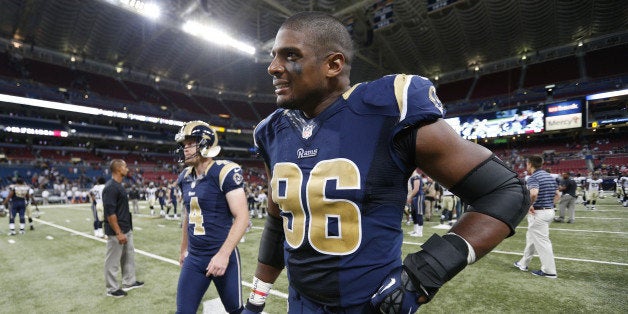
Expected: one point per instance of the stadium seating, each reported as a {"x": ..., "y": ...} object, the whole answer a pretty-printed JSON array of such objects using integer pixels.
[
  {"x": 494, "y": 84},
  {"x": 552, "y": 72},
  {"x": 146, "y": 148},
  {"x": 598, "y": 65}
]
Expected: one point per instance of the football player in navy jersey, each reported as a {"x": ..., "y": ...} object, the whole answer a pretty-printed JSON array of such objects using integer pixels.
[
  {"x": 415, "y": 201},
  {"x": 19, "y": 196},
  {"x": 215, "y": 217},
  {"x": 338, "y": 159}
]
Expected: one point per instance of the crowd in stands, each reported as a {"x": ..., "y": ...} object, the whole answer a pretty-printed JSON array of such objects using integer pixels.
[{"x": 608, "y": 156}]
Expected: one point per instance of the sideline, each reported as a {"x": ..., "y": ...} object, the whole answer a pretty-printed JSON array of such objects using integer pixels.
[{"x": 142, "y": 252}]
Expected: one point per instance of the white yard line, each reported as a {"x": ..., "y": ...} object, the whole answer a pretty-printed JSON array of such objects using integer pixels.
[
  {"x": 151, "y": 255},
  {"x": 581, "y": 230},
  {"x": 601, "y": 218}
]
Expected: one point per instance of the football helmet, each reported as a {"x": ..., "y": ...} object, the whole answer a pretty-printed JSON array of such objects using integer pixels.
[{"x": 205, "y": 136}]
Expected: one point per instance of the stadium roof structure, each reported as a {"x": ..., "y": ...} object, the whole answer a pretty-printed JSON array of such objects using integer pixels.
[{"x": 444, "y": 38}]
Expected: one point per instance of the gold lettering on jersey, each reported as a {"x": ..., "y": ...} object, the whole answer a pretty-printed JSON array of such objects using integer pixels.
[
  {"x": 196, "y": 216},
  {"x": 321, "y": 209}
]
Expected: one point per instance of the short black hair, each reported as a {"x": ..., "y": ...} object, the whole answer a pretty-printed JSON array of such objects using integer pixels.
[
  {"x": 101, "y": 180},
  {"x": 536, "y": 161},
  {"x": 326, "y": 32},
  {"x": 115, "y": 164}
]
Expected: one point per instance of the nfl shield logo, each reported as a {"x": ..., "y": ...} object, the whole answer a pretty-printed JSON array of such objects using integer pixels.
[{"x": 307, "y": 131}]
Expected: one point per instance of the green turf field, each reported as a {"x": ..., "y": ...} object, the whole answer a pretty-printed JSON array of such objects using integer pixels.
[{"x": 58, "y": 268}]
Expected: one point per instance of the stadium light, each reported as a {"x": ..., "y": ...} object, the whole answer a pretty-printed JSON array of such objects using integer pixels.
[
  {"x": 94, "y": 111},
  {"x": 16, "y": 44},
  {"x": 151, "y": 11},
  {"x": 608, "y": 94},
  {"x": 144, "y": 8},
  {"x": 216, "y": 36}
]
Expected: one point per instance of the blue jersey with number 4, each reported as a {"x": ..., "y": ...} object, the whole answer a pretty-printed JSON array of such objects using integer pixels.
[
  {"x": 341, "y": 187},
  {"x": 209, "y": 216}
]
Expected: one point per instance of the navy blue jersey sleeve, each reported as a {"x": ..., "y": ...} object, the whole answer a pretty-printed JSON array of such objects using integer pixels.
[
  {"x": 411, "y": 98},
  {"x": 417, "y": 101},
  {"x": 231, "y": 177},
  {"x": 182, "y": 176},
  {"x": 265, "y": 132}
]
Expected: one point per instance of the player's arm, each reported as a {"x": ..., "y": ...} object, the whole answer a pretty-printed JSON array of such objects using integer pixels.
[
  {"x": 239, "y": 209},
  {"x": 184, "y": 238},
  {"x": 497, "y": 200},
  {"x": 534, "y": 194},
  {"x": 6, "y": 200},
  {"x": 270, "y": 260},
  {"x": 413, "y": 192},
  {"x": 113, "y": 222}
]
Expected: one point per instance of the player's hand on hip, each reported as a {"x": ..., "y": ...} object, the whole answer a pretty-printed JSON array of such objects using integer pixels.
[{"x": 397, "y": 294}]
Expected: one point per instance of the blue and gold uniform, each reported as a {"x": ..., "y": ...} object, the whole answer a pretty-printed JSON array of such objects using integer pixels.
[
  {"x": 19, "y": 196},
  {"x": 341, "y": 197},
  {"x": 417, "y": 200},
  {"x": 209, "y": 222}
]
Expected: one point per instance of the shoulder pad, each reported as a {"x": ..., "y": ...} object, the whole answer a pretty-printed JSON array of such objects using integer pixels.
[
  {"x": 375, "y": 97},
  {"x": 186, "y": 172}
]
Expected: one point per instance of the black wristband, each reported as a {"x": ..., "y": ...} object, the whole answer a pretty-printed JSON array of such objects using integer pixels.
[
  {"x": 254, "y": 308},
  {"x": 439, "y": 261}
]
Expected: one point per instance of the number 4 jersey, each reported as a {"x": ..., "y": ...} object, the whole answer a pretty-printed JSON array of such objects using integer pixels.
[
  {"x": 341, "y": 186},
  {"x": 209, "y": 216}
]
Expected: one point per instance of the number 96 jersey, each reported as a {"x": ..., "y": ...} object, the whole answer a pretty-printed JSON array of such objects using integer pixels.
[
  {"x": 209, "y": 216},
  {"x": 341, "y": 186}
]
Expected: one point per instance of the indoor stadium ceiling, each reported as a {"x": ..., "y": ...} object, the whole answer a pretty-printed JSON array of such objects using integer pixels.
[{"x": 453, "y": 38}]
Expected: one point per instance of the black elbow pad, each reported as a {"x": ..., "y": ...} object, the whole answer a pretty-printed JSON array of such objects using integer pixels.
[
  {"x": 271, "y": 243},
  {"x": 493, "y": 189}
]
